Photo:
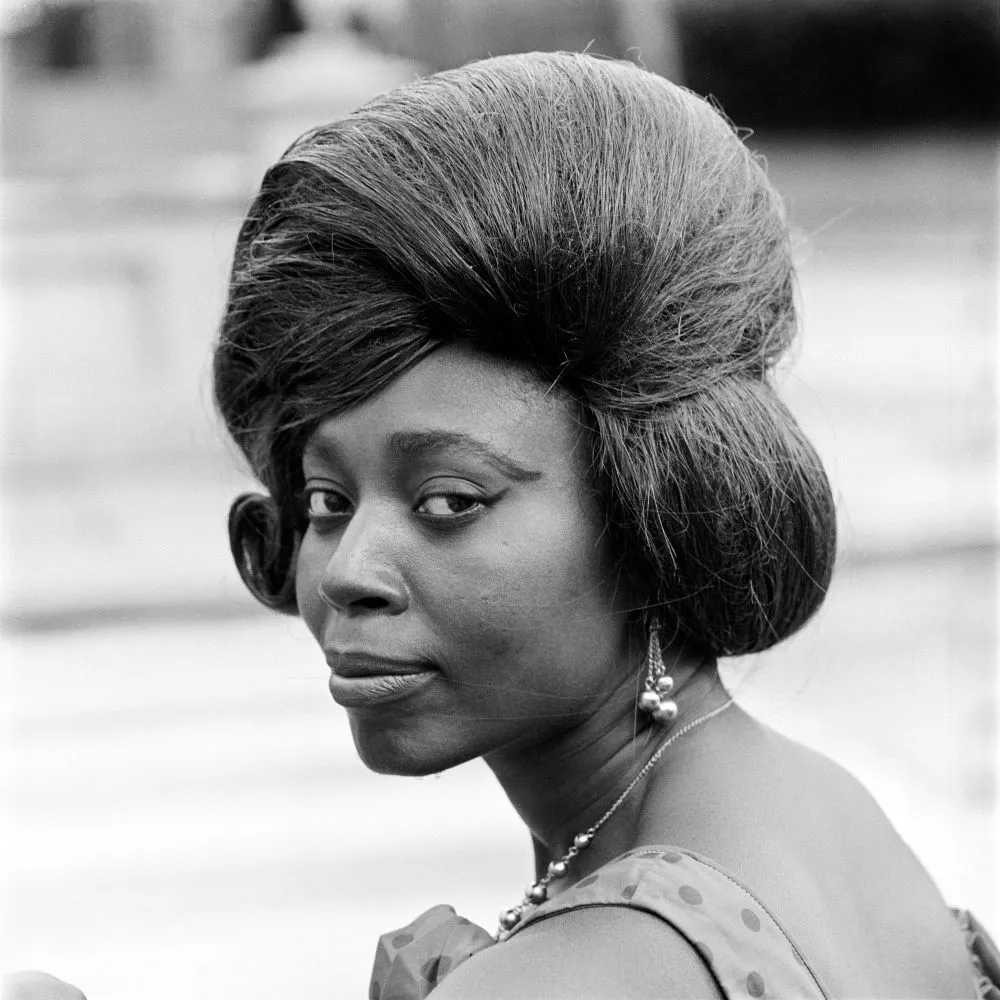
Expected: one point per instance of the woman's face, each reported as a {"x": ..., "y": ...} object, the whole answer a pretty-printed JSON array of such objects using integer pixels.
[{"x": 453, "y": 570}]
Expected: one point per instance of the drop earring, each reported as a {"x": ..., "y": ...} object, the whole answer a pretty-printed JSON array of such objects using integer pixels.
[{"x": 655, "y": 699}]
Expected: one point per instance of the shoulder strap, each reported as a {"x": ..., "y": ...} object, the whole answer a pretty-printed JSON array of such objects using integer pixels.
[
  {"x": 742, "y": 944},
  {"x": 985, "y": 955}
]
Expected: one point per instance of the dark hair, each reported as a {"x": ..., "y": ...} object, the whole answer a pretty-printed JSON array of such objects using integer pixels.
[{"x": 592, "y": 220}]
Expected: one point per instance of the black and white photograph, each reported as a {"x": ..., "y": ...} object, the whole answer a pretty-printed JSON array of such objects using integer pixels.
[{"x": 499, "y": 499}]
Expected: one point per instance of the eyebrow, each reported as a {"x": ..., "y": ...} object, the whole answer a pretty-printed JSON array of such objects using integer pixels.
[
  {"x": 405, "y": 444},
  {"x": 410, "y": 443}
]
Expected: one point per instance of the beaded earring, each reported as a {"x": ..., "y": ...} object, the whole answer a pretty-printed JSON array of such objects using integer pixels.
[{"x": 654, "y": 699}]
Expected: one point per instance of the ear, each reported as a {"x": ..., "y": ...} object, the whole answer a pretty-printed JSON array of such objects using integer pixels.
[{"x": 265, "y": 544}]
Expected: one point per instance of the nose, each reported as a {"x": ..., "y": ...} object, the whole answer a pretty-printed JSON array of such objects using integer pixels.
[{"x": 363, "y": 575}]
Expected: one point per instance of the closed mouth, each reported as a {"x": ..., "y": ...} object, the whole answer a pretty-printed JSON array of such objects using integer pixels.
[
  {"x": 368, "y": 690},
  {"x": 361, "y": 664}
]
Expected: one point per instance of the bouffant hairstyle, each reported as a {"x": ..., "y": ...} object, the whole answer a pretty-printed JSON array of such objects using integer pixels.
[{"x": 588, "y": 219}]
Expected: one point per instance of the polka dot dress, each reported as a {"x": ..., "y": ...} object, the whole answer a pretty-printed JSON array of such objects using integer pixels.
[
  {"x": 744, "y": 948},
  {"x": 411, "y": 961}
]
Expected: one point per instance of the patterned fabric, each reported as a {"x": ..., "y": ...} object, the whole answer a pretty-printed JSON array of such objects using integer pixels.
[
  {"x": 743, "y": 946},
  {"x": 984, "y": 953},
  {"x": 411, "y": 961}
]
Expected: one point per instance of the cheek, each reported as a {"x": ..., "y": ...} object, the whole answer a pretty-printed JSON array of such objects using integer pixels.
[
  {"x": 308, "y": 572},
  {"x": 537, "y": 593},
  {"x": 554, "y": 563}
]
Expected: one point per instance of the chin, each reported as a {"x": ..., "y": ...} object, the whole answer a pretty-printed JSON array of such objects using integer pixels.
[{"x": 385, "y": 750}]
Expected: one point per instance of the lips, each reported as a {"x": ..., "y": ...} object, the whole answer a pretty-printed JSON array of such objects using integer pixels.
[
  {"x": 361, "y": 680},
  {"x": 356, "y": 663}
]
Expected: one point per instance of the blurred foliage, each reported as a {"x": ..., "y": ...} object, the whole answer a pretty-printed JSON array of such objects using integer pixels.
[
  {"x": 269, "y": 21},
  {"x": 813, "y": 64},
  {"x": 791, "y": 64},
  {"x": 69, "y": 36}
]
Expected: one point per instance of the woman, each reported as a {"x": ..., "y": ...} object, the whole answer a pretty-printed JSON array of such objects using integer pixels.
[{"x": 498, "y": 347}]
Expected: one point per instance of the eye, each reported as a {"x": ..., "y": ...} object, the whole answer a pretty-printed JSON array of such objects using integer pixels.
[
  {"x": 325, "y": 504},
  {"x": 448, "y": 504}
]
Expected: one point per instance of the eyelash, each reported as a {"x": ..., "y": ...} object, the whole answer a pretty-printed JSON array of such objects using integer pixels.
[{"x": 330, "y": 518}]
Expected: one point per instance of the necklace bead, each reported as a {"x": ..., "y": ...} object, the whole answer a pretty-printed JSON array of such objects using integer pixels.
[{"x": 538, "y": 892}]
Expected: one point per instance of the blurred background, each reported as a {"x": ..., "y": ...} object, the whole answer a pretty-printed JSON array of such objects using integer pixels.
[{"x": 183, "y": 811}]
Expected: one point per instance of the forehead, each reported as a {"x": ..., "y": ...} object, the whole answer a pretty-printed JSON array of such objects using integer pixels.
[{"x": 457, "y": 389}]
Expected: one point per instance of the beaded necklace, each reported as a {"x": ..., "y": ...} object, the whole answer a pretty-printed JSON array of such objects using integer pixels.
[{"x": 538, "y": 891}]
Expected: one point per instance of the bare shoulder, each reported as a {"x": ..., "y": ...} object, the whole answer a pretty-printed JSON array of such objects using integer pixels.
[
  {"x": 593, "y": 953},
  {"x": 30, "y": 984}
]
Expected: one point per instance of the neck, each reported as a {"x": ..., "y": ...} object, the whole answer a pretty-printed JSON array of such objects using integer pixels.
[{"x": 562, "y": 784}]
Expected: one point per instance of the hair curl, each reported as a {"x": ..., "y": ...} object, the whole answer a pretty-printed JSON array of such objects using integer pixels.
[{"x": 585, "y": 217}]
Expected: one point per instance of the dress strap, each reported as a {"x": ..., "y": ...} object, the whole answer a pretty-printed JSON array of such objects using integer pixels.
[
  {"x": 985, "y": 955},
  {"x": 743, "y": 946}
]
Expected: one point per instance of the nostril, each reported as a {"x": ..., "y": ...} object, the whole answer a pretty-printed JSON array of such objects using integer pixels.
[{"x": 363, "y": 589}]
